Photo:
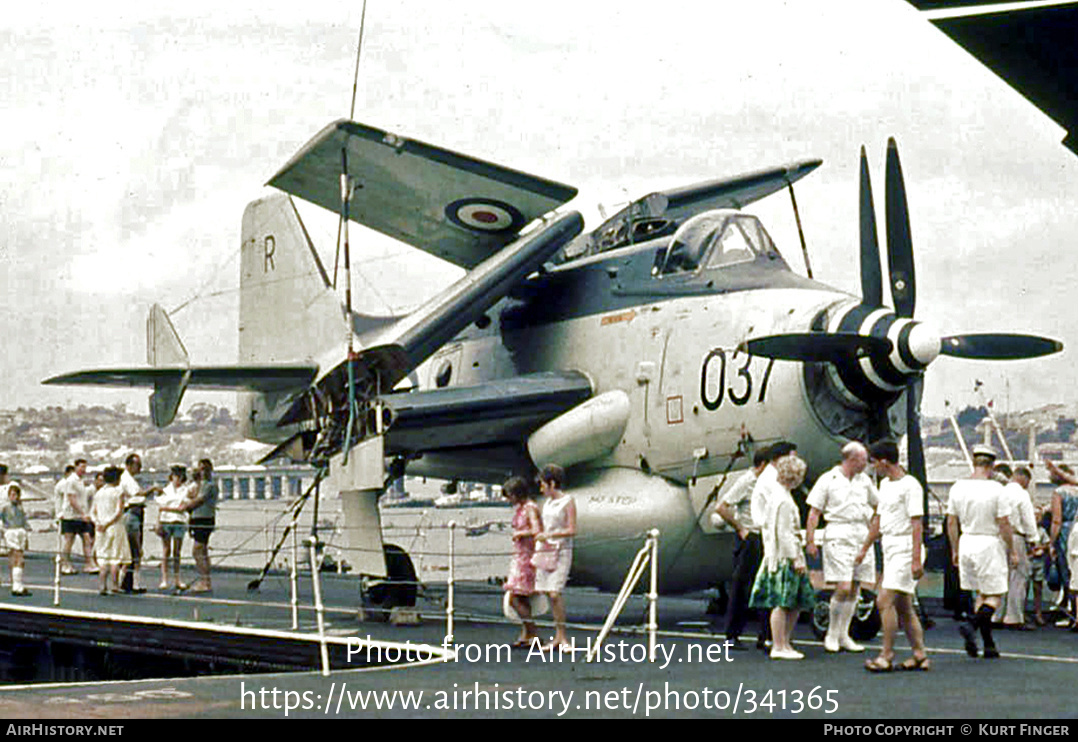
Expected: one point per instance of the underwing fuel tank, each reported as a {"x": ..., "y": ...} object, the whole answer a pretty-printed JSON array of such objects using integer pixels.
[
  {"x": 588, "y": 431},
  {"x": 616, "y": 508}
]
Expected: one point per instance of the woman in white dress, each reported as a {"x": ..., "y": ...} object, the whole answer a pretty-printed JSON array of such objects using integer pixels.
[
  {"x": 110, "y": 545},
  {"x": 554, "y": 546}
]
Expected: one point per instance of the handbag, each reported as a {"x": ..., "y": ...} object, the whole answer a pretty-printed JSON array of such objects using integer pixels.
[
  {"x": 546, "y": 557},
  {"x": 1053, "y": 575},
  {"x": 539, "y": 605}
]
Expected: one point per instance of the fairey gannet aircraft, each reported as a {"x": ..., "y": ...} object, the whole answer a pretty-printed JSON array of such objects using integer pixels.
[{"x": 646, "y": 356}]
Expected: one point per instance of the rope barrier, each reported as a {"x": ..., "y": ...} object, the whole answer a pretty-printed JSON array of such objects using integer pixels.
[{"x": 151, "y": 555}]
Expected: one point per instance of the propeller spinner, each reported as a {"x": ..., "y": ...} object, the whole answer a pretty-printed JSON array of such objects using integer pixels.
[{"x": 876, "y": 353}]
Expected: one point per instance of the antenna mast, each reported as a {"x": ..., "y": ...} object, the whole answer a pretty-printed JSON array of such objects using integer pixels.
[{"x": 347, "y": 191}]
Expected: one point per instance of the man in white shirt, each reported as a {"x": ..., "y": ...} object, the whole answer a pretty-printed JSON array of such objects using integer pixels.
[
  {"x": 58, "y": 491},
  {"x": 768, "y": 479},
  {"x": 898, "y": 521},
  {"x": 978, "y": 509},
  {"x": 735, "y": 508},
  {"x": 134, "y": 510},
  {"x": 1012, "y": 613},
  {"x": 848, "y": 499},
  {"x": 74, "y": 516}
]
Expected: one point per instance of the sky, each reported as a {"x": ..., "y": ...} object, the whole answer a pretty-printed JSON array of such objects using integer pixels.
[{"x": 135, "y": 133}]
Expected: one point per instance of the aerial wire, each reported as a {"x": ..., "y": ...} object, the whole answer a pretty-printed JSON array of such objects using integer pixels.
[
  {"x": 359, "y": 49},
  {"x": 347, "y": 189},
  {"x": 200, "y": 292},
  {"x": 351, "y": 116}
]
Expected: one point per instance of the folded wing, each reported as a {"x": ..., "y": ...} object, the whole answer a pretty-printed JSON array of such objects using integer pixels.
[{"x": 457, "y": 207}]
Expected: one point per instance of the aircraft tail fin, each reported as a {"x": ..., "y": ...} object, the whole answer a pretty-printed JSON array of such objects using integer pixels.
[
  {"x": 288, "y": 309},
  {"x": 165, "y": 351},
  {"x": 163, "y": 344}
]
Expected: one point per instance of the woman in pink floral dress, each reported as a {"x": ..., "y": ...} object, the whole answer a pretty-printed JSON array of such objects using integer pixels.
[{"x": 521, "y": 581}]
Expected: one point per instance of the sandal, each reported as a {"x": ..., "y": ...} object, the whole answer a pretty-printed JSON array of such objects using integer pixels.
[
  {"x": 879, "y": 665},
  {"x": 915, "y": 664},
  {"x": 559, "y": 648}
]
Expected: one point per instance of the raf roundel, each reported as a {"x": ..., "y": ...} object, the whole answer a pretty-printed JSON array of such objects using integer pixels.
[{"x": 484, "y": 215}]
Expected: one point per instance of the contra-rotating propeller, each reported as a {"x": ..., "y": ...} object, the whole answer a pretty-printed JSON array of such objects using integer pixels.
[{"x": 876, "y": 373}]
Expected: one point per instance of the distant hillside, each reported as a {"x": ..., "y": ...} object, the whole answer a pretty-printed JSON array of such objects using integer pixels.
[
  {"x": 52, "y": 437},
  {"x": 1053, "y": 424}
]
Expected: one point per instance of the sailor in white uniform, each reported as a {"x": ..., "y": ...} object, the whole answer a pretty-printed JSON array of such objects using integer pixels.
[
  {"x": 1012, "y": 613},
  {"x": 978, "y": 509},
  {"x": 847, "y": 498},
  {"x": 899, "y": 524}
]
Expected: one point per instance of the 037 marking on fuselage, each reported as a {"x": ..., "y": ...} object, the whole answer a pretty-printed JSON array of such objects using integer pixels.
[{"x": 713, "y": 378}]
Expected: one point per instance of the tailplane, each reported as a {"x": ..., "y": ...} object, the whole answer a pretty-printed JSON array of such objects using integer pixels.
[{"x": 165, "y": 351}]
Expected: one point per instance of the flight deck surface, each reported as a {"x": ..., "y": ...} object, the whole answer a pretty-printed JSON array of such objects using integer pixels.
[{"x": 695, "y": 674}]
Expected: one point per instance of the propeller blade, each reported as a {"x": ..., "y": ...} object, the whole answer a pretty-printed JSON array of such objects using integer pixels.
[
  {"x": 871, "y": 279},
  {"x": 899, "y": 241},
  {"x": 816, "y": 347},
  {"x": 915, "y": 444},
  {"x": 999, "y": 347}
]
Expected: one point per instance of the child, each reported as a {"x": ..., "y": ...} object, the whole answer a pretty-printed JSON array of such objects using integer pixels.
[
  {"x": 1038, "y": 549},
  {"x": 172, "y": 524},
  {"x": 15, "y": 535}
]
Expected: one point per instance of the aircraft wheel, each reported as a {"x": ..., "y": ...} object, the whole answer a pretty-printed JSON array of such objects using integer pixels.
[
  {"x": 400, "y": 589},
  {"x": 866, "y": 619}
]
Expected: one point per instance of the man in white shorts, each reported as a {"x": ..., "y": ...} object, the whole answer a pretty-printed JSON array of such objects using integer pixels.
[
  {"x": 898, "y": 521},
  {"x": 978, "y": 509},
  {"x": 1012, "y": 611},
  {"x": 847, "y": 498}
]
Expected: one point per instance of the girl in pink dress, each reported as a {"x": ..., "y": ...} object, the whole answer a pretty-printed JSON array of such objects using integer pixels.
[{"x": 520, "y": 583}]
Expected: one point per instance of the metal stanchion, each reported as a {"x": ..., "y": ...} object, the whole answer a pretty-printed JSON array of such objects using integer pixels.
[
  {"x": 318, "y": 607},
  {"x": 653, "y": 593},
  {"x": 648, "y": 554},
  {"x": 295, "y": 573},
  {"x": 57, "y": 569},
  {"x": 449, "y": 610}
]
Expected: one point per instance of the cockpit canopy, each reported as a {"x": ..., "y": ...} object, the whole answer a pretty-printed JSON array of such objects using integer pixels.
[{"x": 715, "y": 239}]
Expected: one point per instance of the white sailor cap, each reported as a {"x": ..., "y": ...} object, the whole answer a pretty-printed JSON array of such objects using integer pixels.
[{"x": 983, "y": 450}]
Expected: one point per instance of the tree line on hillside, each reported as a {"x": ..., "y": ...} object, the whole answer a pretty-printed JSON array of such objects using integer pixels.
[{"x": 1017, "y": 440}]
